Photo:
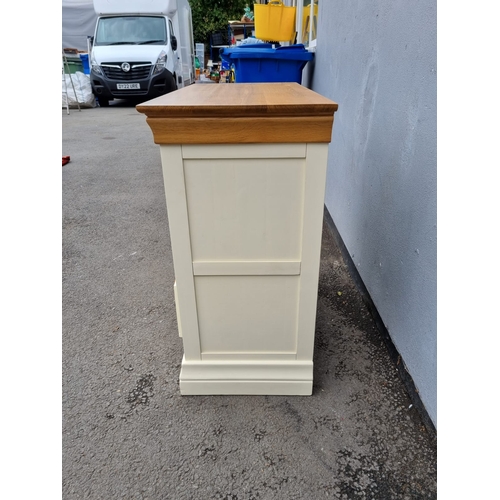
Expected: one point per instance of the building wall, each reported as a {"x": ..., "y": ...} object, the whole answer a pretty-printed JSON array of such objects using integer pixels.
[{"x": 378, "y": 61}]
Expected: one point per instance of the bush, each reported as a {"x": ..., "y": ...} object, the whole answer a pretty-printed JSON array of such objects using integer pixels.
[{"x": 212, "y": 16}]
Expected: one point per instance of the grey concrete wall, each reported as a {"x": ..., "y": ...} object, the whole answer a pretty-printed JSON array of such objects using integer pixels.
[{"x": 377, "y": 59}]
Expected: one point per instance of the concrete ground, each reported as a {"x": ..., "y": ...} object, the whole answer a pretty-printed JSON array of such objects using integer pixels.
[{"x": 128, "y": 433}]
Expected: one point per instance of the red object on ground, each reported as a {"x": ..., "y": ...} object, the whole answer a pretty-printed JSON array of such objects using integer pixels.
[{"x": 65, "y": 159}]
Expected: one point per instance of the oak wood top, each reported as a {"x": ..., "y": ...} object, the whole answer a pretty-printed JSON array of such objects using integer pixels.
[
  {"x": 219, "y": 113},
  {"x": 243, "y": 99}
]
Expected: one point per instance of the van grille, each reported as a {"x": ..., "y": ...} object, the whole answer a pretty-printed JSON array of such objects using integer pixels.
[{"x": 138, "y": 71}]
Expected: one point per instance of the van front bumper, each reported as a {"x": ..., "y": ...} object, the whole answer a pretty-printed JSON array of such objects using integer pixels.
[{"x": 149, "y": 88}]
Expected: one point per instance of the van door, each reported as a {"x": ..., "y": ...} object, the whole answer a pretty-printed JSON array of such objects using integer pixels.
[{"x": 177, "y": 60}]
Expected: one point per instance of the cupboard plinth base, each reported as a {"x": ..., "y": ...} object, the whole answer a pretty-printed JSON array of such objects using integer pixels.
[{"x": 285, "y": 378}]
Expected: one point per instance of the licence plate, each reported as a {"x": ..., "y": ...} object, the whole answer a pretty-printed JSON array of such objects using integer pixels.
[{"x": 128, "y": 86}]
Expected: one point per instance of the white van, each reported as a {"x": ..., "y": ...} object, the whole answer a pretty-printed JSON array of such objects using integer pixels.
[{"x": 141, "y": 49}]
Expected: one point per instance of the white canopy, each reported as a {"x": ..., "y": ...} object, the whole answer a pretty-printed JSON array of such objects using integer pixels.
[{"x": 78, "y": 22}]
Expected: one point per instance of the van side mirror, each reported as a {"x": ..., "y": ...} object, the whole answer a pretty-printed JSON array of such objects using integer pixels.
[
  {"x": 173, "y": 42},
  {"x": 90, "y": 45}
]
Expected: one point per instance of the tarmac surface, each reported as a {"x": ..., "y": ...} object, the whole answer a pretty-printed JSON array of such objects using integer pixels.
[{"x": 127, "y": 431}]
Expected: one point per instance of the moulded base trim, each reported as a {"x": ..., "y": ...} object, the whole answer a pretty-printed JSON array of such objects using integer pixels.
[
  {"x": 246, "y": 387},
  {"x": 247, "y": 377}
]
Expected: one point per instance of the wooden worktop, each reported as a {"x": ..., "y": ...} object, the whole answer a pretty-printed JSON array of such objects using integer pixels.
[{"x": 240, "y": 113}]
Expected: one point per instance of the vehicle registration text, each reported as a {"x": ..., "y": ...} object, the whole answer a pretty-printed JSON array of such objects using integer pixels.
[{"x": 128, "y": 86}]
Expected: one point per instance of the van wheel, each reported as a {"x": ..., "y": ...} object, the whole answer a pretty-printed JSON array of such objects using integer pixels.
[
  {"x": 172, "y": 83},
  {"x": 103, "y": 103}
]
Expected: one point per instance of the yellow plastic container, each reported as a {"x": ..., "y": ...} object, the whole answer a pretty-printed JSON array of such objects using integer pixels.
[
  {"x": 307, "y": 19},
  {"x": 274, "y": 22}
]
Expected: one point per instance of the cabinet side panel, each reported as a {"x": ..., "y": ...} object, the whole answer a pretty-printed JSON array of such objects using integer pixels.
[
  {"x": 175, "y": 194},
  {"x": 245, "y": 209},
  {"x": 314, "y": 195},
  {"x": 247, "y": 314}
]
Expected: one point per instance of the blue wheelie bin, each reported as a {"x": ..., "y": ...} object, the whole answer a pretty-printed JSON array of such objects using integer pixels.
[{"x": 261, "y": 63}]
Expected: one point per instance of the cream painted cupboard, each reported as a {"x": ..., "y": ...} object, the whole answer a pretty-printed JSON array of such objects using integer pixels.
[{"x": 244, "y": 168}]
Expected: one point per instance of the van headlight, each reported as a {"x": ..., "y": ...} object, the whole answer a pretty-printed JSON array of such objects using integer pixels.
[
  {"x": 95, "y": 67},
  {"x": 160, "y": 63}
]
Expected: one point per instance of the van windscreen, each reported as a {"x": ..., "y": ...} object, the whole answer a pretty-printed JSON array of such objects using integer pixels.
[{"x": 133, "y": 30}]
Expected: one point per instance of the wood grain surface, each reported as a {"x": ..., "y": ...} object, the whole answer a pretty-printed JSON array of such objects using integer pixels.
[{"x": 240, "y": 113}]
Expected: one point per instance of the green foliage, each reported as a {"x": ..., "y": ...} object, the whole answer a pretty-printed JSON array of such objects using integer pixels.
[{"x": 211, "y": 16}]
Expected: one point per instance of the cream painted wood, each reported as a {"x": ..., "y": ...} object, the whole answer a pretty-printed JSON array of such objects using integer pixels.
[
  {"x": 245, "y": 208},
  {"x": 240, "y": 314},
  {"x": 193, "y": 151},
  {"x": 274, "y": 377},
  {"x": 232, "y": 356},
  {"x": 245, "y": 225},
  {"x": 248, "y": 387},
  {"x": 246, "y": 268},
  {"x": 248, "y": 370},
  {"x": 314, "y": 195},
  {"x": 175, "y": 193},
  {"x": 176, "y": 299}
]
